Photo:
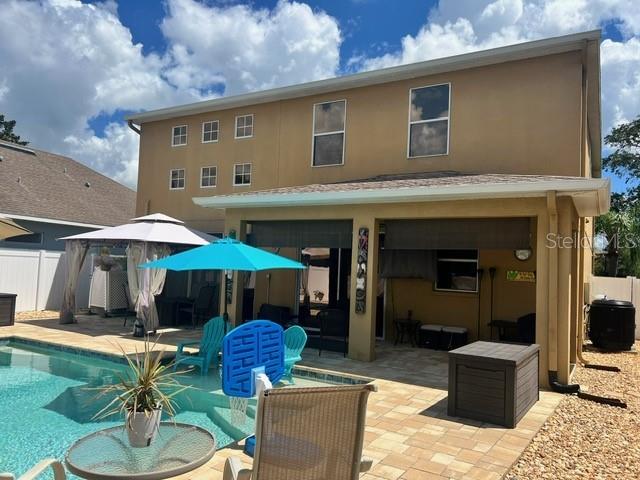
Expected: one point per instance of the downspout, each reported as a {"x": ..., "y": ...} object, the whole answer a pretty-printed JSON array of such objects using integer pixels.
[{"x": 133, "y": 127}]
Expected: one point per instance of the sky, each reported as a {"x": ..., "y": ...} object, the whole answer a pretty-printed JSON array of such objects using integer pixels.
[{"x": 70, "y": 71}]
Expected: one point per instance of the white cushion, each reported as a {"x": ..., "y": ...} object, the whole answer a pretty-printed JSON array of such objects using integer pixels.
[
  {"x": 454, "y": 330},
  {"x": 431, "y": 327}
]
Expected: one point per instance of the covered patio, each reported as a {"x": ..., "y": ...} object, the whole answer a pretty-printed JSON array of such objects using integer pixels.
[{"x": 491, "y": 215}]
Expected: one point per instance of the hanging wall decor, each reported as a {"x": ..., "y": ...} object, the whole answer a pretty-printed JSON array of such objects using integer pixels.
[{"x": 361, "y": 273}]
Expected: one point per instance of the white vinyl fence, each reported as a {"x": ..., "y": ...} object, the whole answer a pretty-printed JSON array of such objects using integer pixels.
[
  {"x": 38, "y": 277},
  {"x": 627, "y": 288}
]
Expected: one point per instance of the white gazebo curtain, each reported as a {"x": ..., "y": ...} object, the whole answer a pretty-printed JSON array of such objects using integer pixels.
[
  {"x": 75, "y": 253},
  {"x": 146, "y": 283}
]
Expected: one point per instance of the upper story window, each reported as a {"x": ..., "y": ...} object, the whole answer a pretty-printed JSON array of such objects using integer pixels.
[
  {"x": 244, "y": 126},
  {"x": 242, "y": 174},
  {"x": 429, "y": 120},
  {"x": 176, "y": 179},
  {"x": 208, "y": 177},
  {"x": 210, "y": 131},
  {"x": 179, "y": 136},
  {"x": 457, "y": 270},
  {"x": 328, "y": 133}
]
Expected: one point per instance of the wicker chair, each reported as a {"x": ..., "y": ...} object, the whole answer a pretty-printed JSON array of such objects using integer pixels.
[{"x": 307, "y": 434}]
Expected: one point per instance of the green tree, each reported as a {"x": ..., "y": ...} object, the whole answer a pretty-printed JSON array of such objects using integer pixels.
[
  {"x": 621, "y": 255},
  {"x": 6, "y": 131},
  {"x": 625, "y": 159},
  {"x": 621, "y": 225}
]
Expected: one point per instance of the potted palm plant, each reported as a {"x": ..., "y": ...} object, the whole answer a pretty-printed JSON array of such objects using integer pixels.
[{"x": 142, "y": 394}]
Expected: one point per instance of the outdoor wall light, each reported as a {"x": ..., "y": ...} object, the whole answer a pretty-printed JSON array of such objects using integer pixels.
[{"x": 522, "y": 254}]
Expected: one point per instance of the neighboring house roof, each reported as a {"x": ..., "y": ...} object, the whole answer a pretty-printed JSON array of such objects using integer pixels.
[
  {"x": 42, "y": 186},
  {"x": 590, "y": 194}
]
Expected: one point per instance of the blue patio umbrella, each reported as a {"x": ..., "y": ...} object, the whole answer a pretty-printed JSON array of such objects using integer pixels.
[{"x": 225, "y": 254}]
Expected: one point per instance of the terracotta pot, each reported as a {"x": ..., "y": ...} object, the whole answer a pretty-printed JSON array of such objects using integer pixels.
[{"x": 142, "y": 427}]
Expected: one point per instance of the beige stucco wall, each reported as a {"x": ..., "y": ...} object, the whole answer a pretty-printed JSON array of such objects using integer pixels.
[{"x": 521, "y": 117}]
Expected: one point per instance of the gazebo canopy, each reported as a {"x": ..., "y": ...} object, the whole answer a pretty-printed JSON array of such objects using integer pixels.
[{"x": 157, "y": 228}]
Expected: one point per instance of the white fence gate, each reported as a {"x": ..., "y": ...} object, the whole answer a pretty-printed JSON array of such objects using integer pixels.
[
  {"x": 38, "y": 276},
  {"x": 627, "y": 288}
]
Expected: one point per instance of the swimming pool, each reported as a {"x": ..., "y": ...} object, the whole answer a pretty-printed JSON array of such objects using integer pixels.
[{"x": 45, "y": 402}]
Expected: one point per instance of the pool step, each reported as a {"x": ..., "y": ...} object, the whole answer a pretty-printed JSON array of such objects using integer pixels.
[{"x": 221, "y": 416}]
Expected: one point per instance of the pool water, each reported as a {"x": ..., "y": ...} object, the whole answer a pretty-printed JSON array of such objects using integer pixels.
[{"x": 46, "y": 403}]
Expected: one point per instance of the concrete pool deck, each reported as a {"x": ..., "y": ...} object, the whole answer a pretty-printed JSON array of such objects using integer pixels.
[{"x": 408, "y": 434}]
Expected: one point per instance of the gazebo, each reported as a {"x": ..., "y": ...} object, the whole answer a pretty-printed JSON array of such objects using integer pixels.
[{"x": 146, "y": 239}]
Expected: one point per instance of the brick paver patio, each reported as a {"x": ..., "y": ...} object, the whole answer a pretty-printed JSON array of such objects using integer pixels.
[{"x": 408, "y": 433}]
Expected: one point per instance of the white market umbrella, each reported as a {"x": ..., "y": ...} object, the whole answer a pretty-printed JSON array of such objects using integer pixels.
[
  {"x": 9, "y": 228},
  {"x": 157, "y": 228}
]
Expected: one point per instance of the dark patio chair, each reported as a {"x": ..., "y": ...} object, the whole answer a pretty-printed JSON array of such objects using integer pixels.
[
  {"x": 201, "y": 307},
  {"x": 275, "y": 313},
  {"x": 527, "y": 328},
  {"x": 334, "y": 327}
]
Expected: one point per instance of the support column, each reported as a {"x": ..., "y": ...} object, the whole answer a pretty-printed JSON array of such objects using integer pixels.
[
  {"x": 552, "y": 293},
  {"x": 362, "y": 326},
  {"x": 542, "y": 296},
  {"x": 576, "y": 274},
  {"x": 584, "y": 273},
  {"x": 565, "y": 253},
  {"x": 238, "y": 229}
]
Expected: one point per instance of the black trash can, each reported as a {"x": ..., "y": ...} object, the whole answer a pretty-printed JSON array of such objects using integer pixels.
[{"x": 612, "y": 324}]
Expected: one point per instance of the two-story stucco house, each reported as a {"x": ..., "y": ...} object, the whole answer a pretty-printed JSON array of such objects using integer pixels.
[{"x": 471, "y": 181}]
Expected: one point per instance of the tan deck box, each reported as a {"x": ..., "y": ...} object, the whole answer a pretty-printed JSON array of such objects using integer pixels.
[{"x": 493, "y": 382}]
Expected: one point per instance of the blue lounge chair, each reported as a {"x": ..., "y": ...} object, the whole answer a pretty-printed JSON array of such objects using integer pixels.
[
  {"x": 210, "y": 344},
  {"x": 295, "y": 339}
]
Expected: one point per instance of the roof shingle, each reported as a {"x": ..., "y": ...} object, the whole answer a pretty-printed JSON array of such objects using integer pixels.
[
  {"x": 41, "y": 184},
  {"x": 407, "y": 180}
]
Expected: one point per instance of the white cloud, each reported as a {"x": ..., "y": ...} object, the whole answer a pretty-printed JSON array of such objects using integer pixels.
[
  {"x": 64, "y": 63},
  {"x": 116, "y": 152},
  {"x": 620, "y": 81},
  {"x": 245, "y": 49},
  {"x": 460, "y": 26}
]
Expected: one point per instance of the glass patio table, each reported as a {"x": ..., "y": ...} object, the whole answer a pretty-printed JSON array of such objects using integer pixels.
[{"x": 107, "y": 455}]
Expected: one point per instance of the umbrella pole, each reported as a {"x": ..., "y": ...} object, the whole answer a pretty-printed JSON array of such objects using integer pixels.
[{"x": 225, "y": 315}]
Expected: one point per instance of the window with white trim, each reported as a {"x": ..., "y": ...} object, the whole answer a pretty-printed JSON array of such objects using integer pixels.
[
  {"x": 242, "y": 174},
  {"x": 244, "y": 126},
  {"x": 429, "y": 121},
  {"x": 210, "y": 131},
  {"x": 179, "y": 135},
  {"x": 208, "y": 177},
  {"x": 176, "y": 179},
  {"x": 328, "y": 133},
  {"x": 457, "y": 270}
]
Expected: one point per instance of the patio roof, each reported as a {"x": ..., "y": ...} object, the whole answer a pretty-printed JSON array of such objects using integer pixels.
[{"x": 591, "y": 195}]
